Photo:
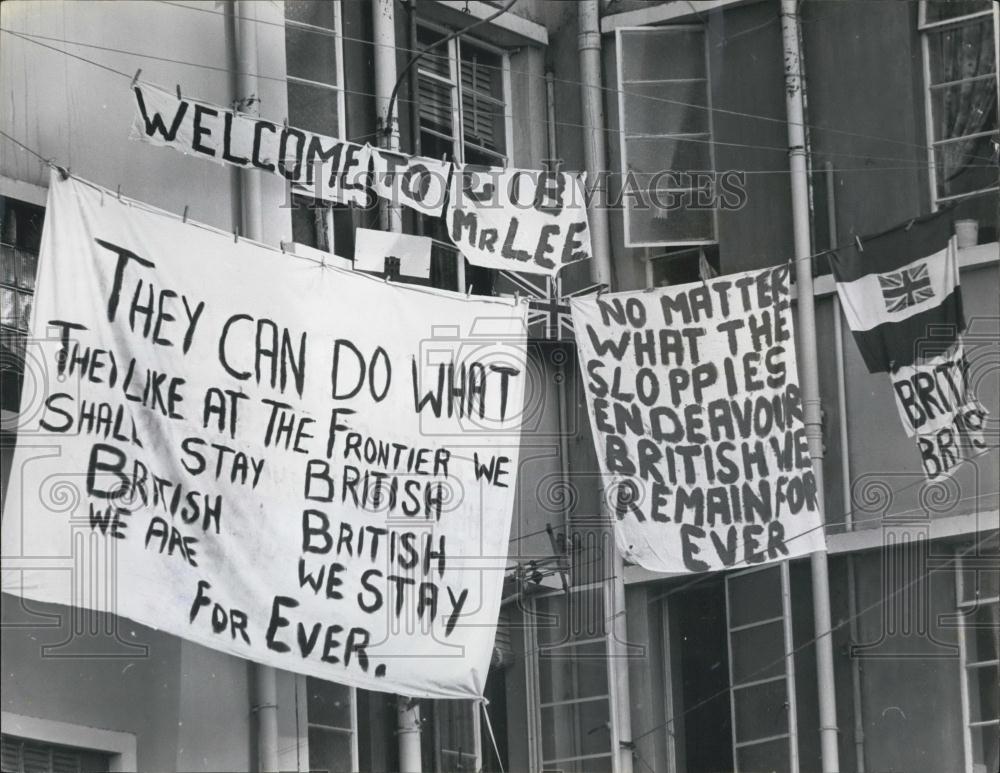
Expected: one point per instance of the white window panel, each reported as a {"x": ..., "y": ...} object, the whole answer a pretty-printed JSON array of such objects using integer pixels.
[
  {"x": 665, "y": 119},
  {"x": 571, "y": 690},
  {"x": 961, "y": 95},
  {"x": 978, "y": 625},
  {"x": 762, "y": 684},
  {"x": 314, "y": 61}
]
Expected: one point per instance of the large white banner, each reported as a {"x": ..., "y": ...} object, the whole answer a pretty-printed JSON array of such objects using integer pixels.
[
  {"x": 524, "y": 220},
  {"x": 697, "y": 420},
  {"x": 288, "y": 462},
  {"x": 316, "y": 166}
]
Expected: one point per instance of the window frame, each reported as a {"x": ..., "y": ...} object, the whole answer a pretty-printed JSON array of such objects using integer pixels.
[
  {"x": 925, "y": 29},
  {"x": 965, "y": 608},
  {"x": 533, "y": 677},
  {"x": 454, "y": 52},
  {"x": 338, "y": 42},
  {"x": 622, "y": 134},
  {"x": 120, "y": 747},
  {"x": 477, "y": 739},
  {"x": 792, "y": 733},
  {"x": 305, "y": 724}
]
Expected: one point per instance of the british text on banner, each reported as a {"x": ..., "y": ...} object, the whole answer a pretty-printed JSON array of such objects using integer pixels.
[
  {"x": 320, "y": 167},
  {"x": 269, "y": 464},
  {"x": 697, "y": 419},
  {"x": 939, "y": 410},
  {"x": 523, "y": 220}
]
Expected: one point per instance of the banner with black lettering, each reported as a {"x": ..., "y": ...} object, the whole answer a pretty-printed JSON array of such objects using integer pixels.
[
  {"x": 316, "y": 166},
  {"x": 419, "y": 183},
  {"x": 940, "y": 411},
  {"x": 306, "y": 467},
  {"x": 523, "y": 220},
  {"x": 697, "y": 420}
]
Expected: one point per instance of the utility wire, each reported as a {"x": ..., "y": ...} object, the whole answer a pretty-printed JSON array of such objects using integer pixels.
[
  {"x": 713, "y": 109},
  {"x": 910, "y": 165}
]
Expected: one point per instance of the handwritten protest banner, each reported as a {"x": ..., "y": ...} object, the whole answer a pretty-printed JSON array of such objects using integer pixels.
[
  {"x": 418, "y": 182},
  {"x": 316, "y": 166},
  {"x": 697, "y": 420},
  {"x": 263, "y": 458},
  {"x": 518, "y": 219},
  {"x": 940, "y": 411}
]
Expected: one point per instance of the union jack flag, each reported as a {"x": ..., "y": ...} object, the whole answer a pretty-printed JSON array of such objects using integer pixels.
[
  {"x": 905, "y": 288},
  {"x": 548, "y": 307}
]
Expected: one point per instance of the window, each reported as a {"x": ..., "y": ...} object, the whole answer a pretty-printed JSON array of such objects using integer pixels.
[
  {"x": 762, "y": 686},
  {"x": 331, "y": 721},
  {"x": 978, "y": 591},
  {"x": 462, "y": 103},
  {"x": 960, "y": 68},
  {"x": 681, "y": 265},
  {"x": 315, "y": 62},
  {"x": 574, "y": 722},
  {"x": 462, "y": 84},
  {"x": 667, "y": 159},
  {"x": 457, "y": 740},
  {"x": 20, "y": 238},
  {"x": 22, "y": 755}
]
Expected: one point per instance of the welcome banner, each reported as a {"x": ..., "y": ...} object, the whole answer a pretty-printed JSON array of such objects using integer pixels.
[
  {"x": 248, "y": 451},
  {"x": 525, "y": 220},
  {"x": 697, "y": 420},
  {"x": 316, "y": 166}
]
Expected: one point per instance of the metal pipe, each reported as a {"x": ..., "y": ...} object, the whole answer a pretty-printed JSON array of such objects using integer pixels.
[
  {"x": 594, "y": 142},
  {"x": 550, "y": 113},
  {"x": 809, "y": 373},
  {"x": 845, "y": 474},
  {"x": 264, "y": 704},
  {"x": 856, "y": 695},
  {"x": 384, "y": 40},
  {"x": 408, "y": 733}
]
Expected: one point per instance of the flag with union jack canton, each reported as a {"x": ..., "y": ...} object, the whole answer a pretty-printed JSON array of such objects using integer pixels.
[
  {"x": 906, "y": 287},
  {"x": 899, "y": 290}
]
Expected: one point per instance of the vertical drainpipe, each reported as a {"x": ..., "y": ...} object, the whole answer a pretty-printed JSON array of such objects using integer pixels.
[
  {"x": 384, "y": 28},
  {"x": 594, "y": 145},
  {"x": 809, "y": 373},
  {"x": 595, "y": 160},
  {"x": 264, "y": 703},
  {"x": 845, "y": 475}
]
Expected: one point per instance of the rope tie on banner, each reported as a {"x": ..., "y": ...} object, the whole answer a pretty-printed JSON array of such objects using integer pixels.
[{"x": 484, "y": 702}]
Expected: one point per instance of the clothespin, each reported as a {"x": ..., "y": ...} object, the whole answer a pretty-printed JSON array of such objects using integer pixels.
[
  {"x": 135, "y": 78},
  {"x": 286, "y": 123},
  {"x": 119, "y": 194},
  {"x": 910, "y": 224},
  {"x": 63, "y": 173},
  {"x": 184, "y": 217},
  {"x": 857, "y": 240},
  {"x": 179, "y": 91},
  {"x": 236, "y": 236},
  {"x": 468, "y": 291}
]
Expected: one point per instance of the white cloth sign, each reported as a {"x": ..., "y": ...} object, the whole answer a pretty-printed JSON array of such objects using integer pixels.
[
  {"x": 282, "y": 461},
  {"x": 522, "y": 220},
  {"x": 372, "y": 248},
  {"x": 940, "y": 411},
  {"x": 697, "y": 420},
  {"x": 316, "y": 166},
  {"x": 418, "y": 182}
]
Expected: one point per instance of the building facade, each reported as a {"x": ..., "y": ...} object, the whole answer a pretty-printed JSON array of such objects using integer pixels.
[{"x": 596, "y": 666}]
